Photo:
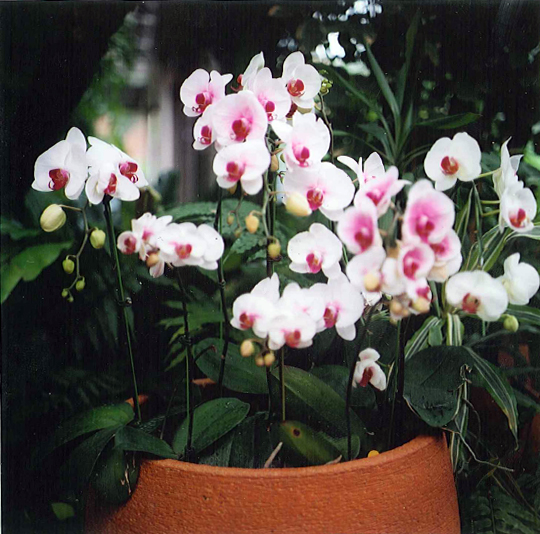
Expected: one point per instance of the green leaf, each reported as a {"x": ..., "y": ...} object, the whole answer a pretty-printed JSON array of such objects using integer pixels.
[
  {"x": 191, "y": 210},
  {"x": 462, "y": 219},
  {"x": 454, "y": 330},
  {"x": 353, "y": 90},
  {"x": 524, "y": 314},
  {"x": 62, "y": 510},
  {"x": 526, "y": 401},
  {"x": 33, "y": 260},
  {"x": 10, "y": 276},
  {"x": 115, "y": 476},
  {"x": 241, "y": 374},
  {"x": 435, "y": 336},
  {"x": 133, "y": 439},
  {"x": 493, "y": 380},
  {"x": 378, "y": 133},
  {"x": 420, "y": 338},
  {"x": 211, "y": 421},
  {"x": 308, "y": 398},
  {"x": 15, "y": 230},
  {"x": 450, "y": 122},
  {"x": 114, "y": 415},
  {"x": 530, "y": 156},
  {"x": 409, "y": 47},
  {"x": 493, "y": 242},
  {"x": 533, "y": 234},
  {"x": 252, "y": 443},
  {"x": 246, "y": 242}
]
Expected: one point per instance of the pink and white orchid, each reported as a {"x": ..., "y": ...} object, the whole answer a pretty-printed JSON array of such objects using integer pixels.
[
  {"x": 429, "y": 214},
  {"x": 506, "y": 175},
  {"x": 203, "y": 132},
  {"x": 143, "y": 237},
  {"x": 296, "y": 330},
  {"x": 450, "y": 160},
  {"x": 364, "y": 271},
  {"x": 326, "y": 188},
  {"x": 447, "y": 257},
  {"x": 201, "y": 89},
  {"x": 240, "y": 117},
  {"x": 358, "y": 228},
  {"x": 63, "y": 165},
  {"x": 244, "y": 163},
  {"x": 271, "y": 94},
  {"x": 520, "y": 280},
  {"x": 414, "y": 263},
  {"x": 476, "y": 292},
  {"x": 367, "y": 371},
  {"x": 301, "y": 301},
  {"x": 372, "y": 168},
  {"x": 246, "y": 79},
  {"x": 317, "y": 249},
  {"x": 302, "y": 81},
  {"x": 518, "y": 208},
  {"x": 108, "y": 181}
]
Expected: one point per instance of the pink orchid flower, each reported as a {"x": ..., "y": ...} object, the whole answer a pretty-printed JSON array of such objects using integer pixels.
[
  {"x": 364, "y": 272},
  {"x": 63, "y": 165},
  {"x": 203, "y": 131},
  {"x": 302, "y": 81},
  {"x": 108, "y": 181},
  {"x": 296, "y": 330},
  {"x": 200, "y": 90},
  {"x": 372, "y": 169},
  {"x": 271, "y": 94},
  {"x": 358, "y": 228},
  {"x": 447, "y": 257},
  {"x": 144, "y": 235},
  {"x": 245, "y": 80}
]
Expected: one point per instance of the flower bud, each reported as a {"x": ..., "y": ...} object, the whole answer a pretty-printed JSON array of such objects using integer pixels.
[
  {"x": 259, "y": 361},
  {"x": 511, "y": 323},
  {"x": 274, "y": 250},
  {"x": 252, "y": 223},
  {"x": 373, "y": 453},
  {"x": 153, "y": 259},
  {"x": 65, "y": 293},
  {"x": 97, "y": 238},
  {"x": 372, "y": 281},
  {"x": 238, "y": 232},
  {"x": 421, "y": 305},
  {"x": 232, "y": 190},
  {"x": 247, "y": 348},
  {"x": 52, "y": 218},
  {"x": 79, "y": 285},
  {"x": 230, "y": 219},
  {"x": 68, "y": 265},
  {"x": 274, "y": 163},
  {"x": 70, "y": 299},
  {"x": 269, "y": 358},
  {"x": 297, "y": 205}
]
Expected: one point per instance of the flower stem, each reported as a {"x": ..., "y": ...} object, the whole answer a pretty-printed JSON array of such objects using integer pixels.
[
  {"x": 328, "y": 125},
  {"x": 478, "y": 217},
  {"x": 124, "y": 303},
  {"x": 221, "y": 281},
  {"x": 189, "y": 364},
  {"x": 350, "y": 383},
  {"x": 490, "y": 213},
  {"x": 282, "y": 383}
]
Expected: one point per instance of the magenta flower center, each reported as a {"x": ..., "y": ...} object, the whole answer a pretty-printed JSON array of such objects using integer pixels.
[
  {"x": 315, "y": 198},
  {"x": 364, "y": 237},
  {"x": 424, "y": 227},
  {"x": 246, "y": 321},
  {"x": 206, "y": 135},
  {"x": 330, "y": 316},
  {"x": 449, "y": 166},
  {"x": 438, "y": 248},
  {"x": 366, "y": 377},
  {"x": 292, "y": 110},
  {"x": 241, "y": 128},
  {"x": 235, "y": 171},
  {"x": 183, "y": 251},
  {"x": 270, "y": 107},
  {"x": 130, "y": 244},
  {"x": 314, "y": 262},
  {"x": 301, "y": 153},
  {"x": 410, "y": 265},
  {"x": 59, "y": 178},
  {"x": 519, "y": 218},
  {"x": 292, "y": 339},
  {"x": 203, "y": 100},
  {"x": 111, "y": 187},
  {"x": 128, "y": 169},
  {"x": 296, "y": 87},
  {"x": 470, "y": 303},
  {"x": 375, "y": 195},
  {"x": 424, "y": 292}
]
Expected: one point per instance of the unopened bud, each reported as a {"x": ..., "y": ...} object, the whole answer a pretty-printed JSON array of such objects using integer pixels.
[
  {"x": 297, "y": 205},
  {"x": 259, "y": 361},
  {"x": 373, "y": 453},
  {"x": 65, "y": 293},
  {"x": 153, "y": 259},
  {"x": 97, "y": 238},
  {"x": 232, "y": 189},
  {"x": 52, "y": 218},
  {"x": 238, "y": 232},
  {"x": 230, "y": 219},
  {"x": 252, "y": 223},
  {"x": 79, "y": 285},
  {"x": 372, "y": 281},
  {"x": 269, "y": 358},
  {"x": 68, "y": 265},
  {"x": 247, "y": 348},
  {"x": 274, "y": 250},
  {"x": 274, "y": 164},
  {"x": 421, "y": 305},
  {"x": 511, "y": 323},
  {"x": 70, "y": 299}
]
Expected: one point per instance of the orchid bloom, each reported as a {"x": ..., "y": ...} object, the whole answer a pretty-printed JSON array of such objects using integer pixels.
[
  {"x": 518, "y": 208},
  {"x": 317, "y": 249},
  {"x": 447, "y": 257},
  {"x": 271, "y": 94},
  {"x": 429, "y": 214},
  {"x": 296, "y": 330},
  {"x": 268, "y": 288},
  {"x": 327, "y": 188},
  {"x": 63, "y": 165},
  {"x": 506, "y": 175},
  {"x": 372, "y": 169},
  {"x": 343, "y": 306},
  {"x": 358, "y": 228},
  {"x": 476, "y": 292},
  {"x": 300, "y": 300},
  {"x": 302, "y": 81},
  {"x": 450, "y": 160},
  {"x": 239, "y": 117},
  {"x": 414, "y": 263},
  {"x": 246, "y": 79},
  {"x": 200, "y": 90},
  {"x": 381, "y": 190},
  {"x": 520, "y": 280},
  {"x": 364, "y": 272},
  {"x": 203, "y": 132},
  {"x": 307, "y": 140},
  {"x": 107, "y": 181},
  {"x": 244, "y": 162},
  {"x": 368, "y": 371}
]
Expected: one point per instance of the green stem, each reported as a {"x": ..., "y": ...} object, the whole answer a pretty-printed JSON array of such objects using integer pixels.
[
  {"x": 123, "y": 301},
  {"x": 490, "y": 213},
  {"x": 350, "y": 383},
  {"x": 398, "y": 401},
  {"x": 490, "y": 202},
  {"x": 478, "y": 212},
  {"x": 433, "y": 288},
  {"x": 189, "y": 364},
  {"x": 282, "y": 383},
  {"x": 329, "y": 126}
]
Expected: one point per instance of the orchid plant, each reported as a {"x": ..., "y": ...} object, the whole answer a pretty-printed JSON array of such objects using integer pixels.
[{"x": 379, "y": 250}]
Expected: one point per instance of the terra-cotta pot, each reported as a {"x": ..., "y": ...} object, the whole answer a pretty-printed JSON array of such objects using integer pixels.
[{"x": 407, "y": 490}]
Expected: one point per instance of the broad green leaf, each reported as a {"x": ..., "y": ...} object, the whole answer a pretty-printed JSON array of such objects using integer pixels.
[
  {"x": 115, "y": 476},
  {"x": 353, "y": 90},
  {"x": 310, "y": 399},
  {"x": 526, "y": 401},
  {"x": 419, "y": 341},
  {"x": 460, "y": 422},
  {"x": 10, "y": 276},
  {"x": 454, "y": 330},
  {"x": 409, "y": 48},
  {"x": 378, "y": 133},
  {"x": 450, "y": 122},
  {"x": 524, "y": 314},
  {"x": 241, "y": 374},
  {"x": 15, "y": 230},
  {"x": 306, "y": 445},
  {"x": 220, "y": 452},
  {"x": 493, "y": 380},
  {"x": 530, "y": 156},
  {"x": 252, "y": 443},
  {"x": 62, "y": 510},
  {"x": 115, "y": 415},
  {"x": 33, "y": 260},
  {"x": 435, "y": 336},
  {"x": 133, "y": 439},
  {"x": 246, "y": 242},
  {"x": 337, "y": 377},
  {"x": 211, "y": 421},
  {"x": 493, "y": 242},
  {"x": 191, "y": 210},
  {"x": 75, "y": 473}
]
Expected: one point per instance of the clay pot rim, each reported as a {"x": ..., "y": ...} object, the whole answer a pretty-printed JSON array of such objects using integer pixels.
[{"x": 413, "y": 447}]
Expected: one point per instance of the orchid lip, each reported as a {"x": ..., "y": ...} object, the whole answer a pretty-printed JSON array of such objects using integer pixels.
[
  {"x": 111, "y": 187},
  {"x": 59, "y": 178}
]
